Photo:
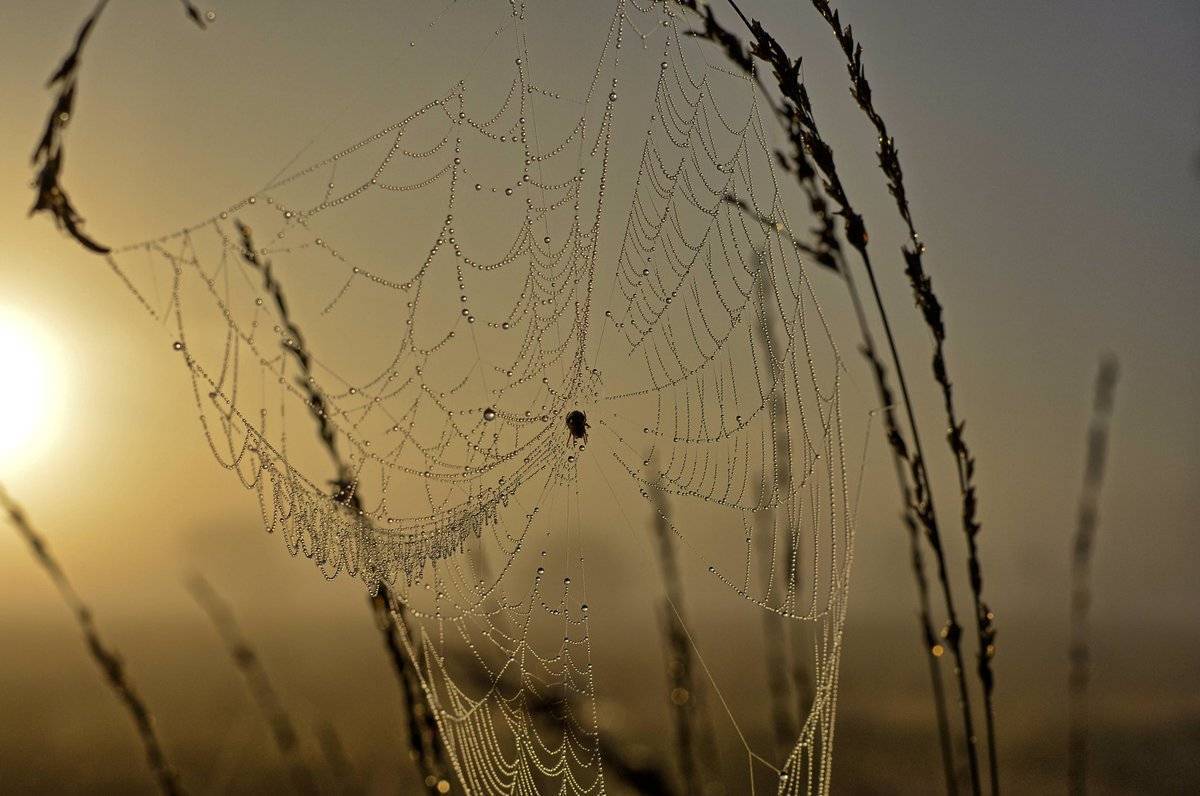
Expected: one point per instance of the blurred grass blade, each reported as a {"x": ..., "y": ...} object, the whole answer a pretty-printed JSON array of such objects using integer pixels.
[{"x": 106, "y": 657}]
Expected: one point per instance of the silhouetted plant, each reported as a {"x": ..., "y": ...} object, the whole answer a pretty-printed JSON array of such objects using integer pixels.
[
  {"x": 424, "y": 739},
  {"x": 106, "y": 657},
  {"x": 283, "y": 729},
  {"x": 1081, "y": 570},
  {"x": 931, "y": 310},
  {"x": 811, "y": 160},
  {"x": 49, "y": 154}
]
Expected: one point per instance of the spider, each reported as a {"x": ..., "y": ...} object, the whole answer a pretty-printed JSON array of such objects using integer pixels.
[{"x": 577, "y": 426}]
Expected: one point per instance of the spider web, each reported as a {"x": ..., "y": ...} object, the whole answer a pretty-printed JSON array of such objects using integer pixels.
[{"x": 470, "y": 273}]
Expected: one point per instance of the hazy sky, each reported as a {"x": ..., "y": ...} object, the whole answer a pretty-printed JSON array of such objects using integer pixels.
[{"x": 1051, "y": 152}]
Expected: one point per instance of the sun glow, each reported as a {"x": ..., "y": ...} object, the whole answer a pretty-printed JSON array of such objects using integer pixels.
[{"x": 30, "y": 388}]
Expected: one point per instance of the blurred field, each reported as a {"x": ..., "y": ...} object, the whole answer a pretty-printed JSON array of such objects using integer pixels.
[{"x": 62, "y": 731}]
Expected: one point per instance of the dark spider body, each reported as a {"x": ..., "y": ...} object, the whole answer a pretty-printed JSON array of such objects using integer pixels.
[{"x": 577, "y": 424}]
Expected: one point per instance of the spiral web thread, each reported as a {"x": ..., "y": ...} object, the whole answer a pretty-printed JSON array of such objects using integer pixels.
[{"x": 474, "y": 271}]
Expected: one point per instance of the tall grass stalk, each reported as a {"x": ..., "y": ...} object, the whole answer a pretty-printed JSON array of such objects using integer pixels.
[
  {"x": 111, "y": 666},
  {"x": 931, "y": 310},
  {"x": 345, "y": 779},
  {"x": 680, "y": 675},
  {"x": 811, "y": 160},
  {"x": 52, "y": 198},
  {"x": 787, "y": 686},
  {"x": 283, "y": 729},
  {"x": 49, "y": 155},
  {"x": 424, "y": 739},
  {"x": 1081, "y": 571}
]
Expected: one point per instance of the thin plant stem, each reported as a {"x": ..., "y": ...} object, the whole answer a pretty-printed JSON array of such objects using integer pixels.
[
  {"x": 931, "y": 310},
  {"x": 780, "y": 681},
  {"x": 50, "y": 153},
  {"x": 52, "y": 198},
  {"x": 111, "y": 666},
  {"x": 345, "y": 778},
  {"x": 679, "y": 652},
  {"x": 811, "y": 161},
  {"x": 283, "y": 729},
  {"x": 424, "y": 738},
  {"x": 1081, "y": 570}
]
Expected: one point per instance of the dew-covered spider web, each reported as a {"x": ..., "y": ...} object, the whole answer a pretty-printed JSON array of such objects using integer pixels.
[{"x": 545, "y": 232}]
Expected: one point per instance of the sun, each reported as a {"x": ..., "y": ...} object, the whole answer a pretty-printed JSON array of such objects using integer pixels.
[{"x": 30, "y": 388}]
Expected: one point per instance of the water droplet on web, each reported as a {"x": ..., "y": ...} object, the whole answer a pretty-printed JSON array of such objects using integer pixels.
[{"x": 489, "y": 414}]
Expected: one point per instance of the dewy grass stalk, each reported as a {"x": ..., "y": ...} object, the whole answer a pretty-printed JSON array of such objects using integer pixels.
[
  {"x": 424, "y": 739},
  {"x": 49, "y": 154},
  {"x": 931, "y": 310},
  {"x": 811, "y": 161}
]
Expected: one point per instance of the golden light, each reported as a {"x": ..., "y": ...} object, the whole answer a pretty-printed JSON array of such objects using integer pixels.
[{"x": 30, "y": 388}]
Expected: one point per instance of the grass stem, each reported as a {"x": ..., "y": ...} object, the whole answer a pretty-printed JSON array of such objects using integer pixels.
[
  {"x": 111, "y": 666},
  {"x": 1079, "y": 657}
]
